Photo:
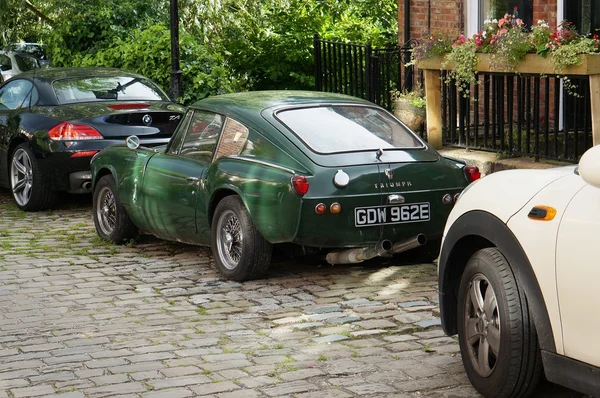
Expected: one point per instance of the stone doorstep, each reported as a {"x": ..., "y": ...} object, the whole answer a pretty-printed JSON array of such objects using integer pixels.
[{"x": 488, "y": 162}]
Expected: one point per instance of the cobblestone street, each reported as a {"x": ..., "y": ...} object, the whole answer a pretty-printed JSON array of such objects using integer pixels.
[{"x": 81, "y": 318}]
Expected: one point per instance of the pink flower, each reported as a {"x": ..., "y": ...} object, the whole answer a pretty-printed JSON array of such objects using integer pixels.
[{"x": 501, "y": 22}]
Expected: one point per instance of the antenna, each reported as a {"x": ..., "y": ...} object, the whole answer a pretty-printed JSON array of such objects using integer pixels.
[{"x": 32, "y": 86}]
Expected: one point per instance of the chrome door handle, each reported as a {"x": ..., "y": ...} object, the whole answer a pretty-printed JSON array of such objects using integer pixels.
[{"x": 193, "y": 179}]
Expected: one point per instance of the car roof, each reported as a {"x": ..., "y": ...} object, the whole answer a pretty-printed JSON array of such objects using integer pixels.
[
  {"x": 257, "y": 101},
  {"x": 48, "y": 75}
]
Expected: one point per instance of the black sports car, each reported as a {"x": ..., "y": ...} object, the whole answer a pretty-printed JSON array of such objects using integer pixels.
[{"x": 52, "y": 121}]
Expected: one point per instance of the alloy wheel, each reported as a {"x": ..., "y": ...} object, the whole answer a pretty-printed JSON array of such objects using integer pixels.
[
  {"x": 482, "y": 325},
  {"x": 21, "y": 173},
  {"x": 229, "y": 239},
  {"x": 106, "y": 211}
]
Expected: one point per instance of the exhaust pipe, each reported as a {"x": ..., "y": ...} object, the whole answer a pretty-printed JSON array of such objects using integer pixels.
[
  {"x": 408, "y": 244},
  {"x": 359, "y": 255},
  {"x": 87, "y": 185}
]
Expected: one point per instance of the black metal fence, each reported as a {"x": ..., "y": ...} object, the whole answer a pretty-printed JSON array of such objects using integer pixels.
[
  {"x": 361, "y": 70},
  {"x": 521, "y": 115}
]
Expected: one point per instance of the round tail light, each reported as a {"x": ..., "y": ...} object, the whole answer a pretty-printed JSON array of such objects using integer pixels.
[
  {"x": 335, "y": 208},
  {"x": 300, "y": 184},
  {"x": 320, "y": 209},
  {"x": 472, "y": 173}
]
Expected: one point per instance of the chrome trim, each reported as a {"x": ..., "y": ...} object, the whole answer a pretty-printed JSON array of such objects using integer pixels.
[
  {"x": 379, "y": 193},
  {"x": 275, "y": 166},
  {"x": 395, "y": 199}
]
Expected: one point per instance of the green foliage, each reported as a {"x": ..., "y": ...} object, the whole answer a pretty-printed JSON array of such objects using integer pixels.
[
  {"x": 464, "y": 59},
  {"x": 226, "y": 45},
  {"x": 147, "y": 52}
]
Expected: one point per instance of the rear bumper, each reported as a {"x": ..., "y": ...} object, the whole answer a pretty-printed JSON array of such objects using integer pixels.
[{"x": 341, "y": 231}]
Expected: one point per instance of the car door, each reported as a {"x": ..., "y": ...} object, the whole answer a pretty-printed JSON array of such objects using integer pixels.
[
  {"x": 15, "y": 97},
  {"x": 174, "y": 179},
  {"x": 578, "y": 274}
]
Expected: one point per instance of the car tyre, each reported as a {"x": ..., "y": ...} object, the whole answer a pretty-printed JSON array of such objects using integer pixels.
[
  {"x": 110, "y": 217},
  {"x": 497, "y": 336},
  {"x": 239, "y": 250},
  {"x": 30, "y": 190}
]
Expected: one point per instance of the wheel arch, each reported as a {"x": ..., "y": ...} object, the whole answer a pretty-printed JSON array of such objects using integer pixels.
[
  {"x": 16, "y": 141},
  {"x": 471, "y": 232},
  {"x": 103, "y": 171},
  {"x": 217, "y": 196}
]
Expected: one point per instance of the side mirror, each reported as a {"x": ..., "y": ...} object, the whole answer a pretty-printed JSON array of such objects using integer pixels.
[
  {"x": 133, "y": 142},
  {"x": 589, "y": 166}
]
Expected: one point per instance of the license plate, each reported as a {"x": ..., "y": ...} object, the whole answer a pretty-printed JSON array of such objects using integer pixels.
[{"x": 393, "y": 214}]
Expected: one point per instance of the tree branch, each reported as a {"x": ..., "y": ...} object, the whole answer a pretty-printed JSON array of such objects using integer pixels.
[{"x": 37, "y": 12}]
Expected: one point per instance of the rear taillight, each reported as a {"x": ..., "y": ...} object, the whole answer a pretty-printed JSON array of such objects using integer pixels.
[
  {"x": 472, "y": 173},
  {"x": 72, "y": 131},
  {"x": 129, "y": 106},
  {"x": 300, "y": 184}
]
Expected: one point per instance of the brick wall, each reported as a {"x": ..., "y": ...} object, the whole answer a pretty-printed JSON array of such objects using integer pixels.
[
  {"x": 545, "y": 10},
  {"x": 447, "y": 16},
  {"x": 439, "y": 16}
]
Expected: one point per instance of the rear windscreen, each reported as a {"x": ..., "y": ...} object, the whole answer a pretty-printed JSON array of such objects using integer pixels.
[
  {"x": 347, "y": 128},
  {"x": 106, "y": 88}
]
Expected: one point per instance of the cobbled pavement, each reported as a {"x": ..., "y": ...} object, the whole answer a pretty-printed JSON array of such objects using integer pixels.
[{"x": 81, "y": 318}]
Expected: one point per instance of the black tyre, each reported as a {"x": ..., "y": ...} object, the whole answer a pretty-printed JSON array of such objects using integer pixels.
[
  {"x": 110, "y": 218},
  {"x": 240, "y": 251},
  {"x": 30, "y": 190},
  {"x": 498, "y": 340}
]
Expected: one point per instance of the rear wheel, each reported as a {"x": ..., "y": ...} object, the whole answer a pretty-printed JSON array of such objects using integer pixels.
[
  {"x": 498, "y": 340},
  {"x": 240, "y": 251},
  {"x": 31, "y": 191},
  {"x": 110, "y": 218}
]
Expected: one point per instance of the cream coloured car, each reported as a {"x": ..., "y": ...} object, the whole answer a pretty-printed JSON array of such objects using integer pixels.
[{"x": 519, "y": 275}]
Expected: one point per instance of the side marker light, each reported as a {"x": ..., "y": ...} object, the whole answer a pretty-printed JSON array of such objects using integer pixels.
[{"x": 542, "y": 213}]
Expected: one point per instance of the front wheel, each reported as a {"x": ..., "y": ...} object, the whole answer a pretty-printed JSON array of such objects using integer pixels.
[
  {"x": 240, "y": 251},
  {"x": 110, "y": 218},
  {"x": 498, "y": 340}
]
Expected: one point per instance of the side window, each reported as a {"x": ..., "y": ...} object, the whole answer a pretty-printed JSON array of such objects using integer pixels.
[
  {"x": 202, "y": 136},
  {"x": 5, "y": 63},
  {"x": 175, "y": 144},
  {"x": 13, "y": 94},
  {"x": 32, "y": 98},
  {"x": 477, "y": 11},
  {"x": 585, "y": 14},
  {"x": 233, "y": 139}
]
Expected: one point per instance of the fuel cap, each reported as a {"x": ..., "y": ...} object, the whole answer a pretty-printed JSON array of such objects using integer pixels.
[{"x": 341, "y": 179}]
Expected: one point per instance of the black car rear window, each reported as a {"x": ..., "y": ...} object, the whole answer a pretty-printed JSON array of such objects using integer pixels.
[
  {"x": 25, "y": 63},
  {"x": 106, "y": 88},
  {"x": 347, "y": 128}
]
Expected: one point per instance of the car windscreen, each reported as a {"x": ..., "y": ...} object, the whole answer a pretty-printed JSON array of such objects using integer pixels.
[
  {"x": 106, "y": 88},
  {"x": 347, "y": 128}
]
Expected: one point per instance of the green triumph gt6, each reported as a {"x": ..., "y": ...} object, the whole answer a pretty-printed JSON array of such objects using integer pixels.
[{"x": 246, "y": 171}]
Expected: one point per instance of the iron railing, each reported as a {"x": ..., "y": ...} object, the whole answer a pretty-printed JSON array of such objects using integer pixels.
[
  {"x": 361, "y": 70},
  {"x": 519, "y": 115}
]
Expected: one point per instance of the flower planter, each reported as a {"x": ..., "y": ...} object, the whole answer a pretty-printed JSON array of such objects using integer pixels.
[
  {"x": 412, "y": 116},
  {"x": 531, "y": 64}
]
